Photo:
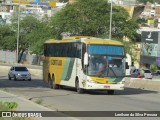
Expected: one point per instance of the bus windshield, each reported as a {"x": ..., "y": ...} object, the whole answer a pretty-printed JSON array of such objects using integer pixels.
[
  {"x": 106, "y": 66},
  {"x": 106, "y": 61}
]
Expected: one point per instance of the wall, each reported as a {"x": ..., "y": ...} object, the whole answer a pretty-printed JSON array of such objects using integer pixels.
[{"x": 10, "y": 57}]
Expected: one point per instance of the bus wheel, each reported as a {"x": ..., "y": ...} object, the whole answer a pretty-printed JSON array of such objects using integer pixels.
[
  {"x": 61, "y": 86},
  {"x": 55, "y": 86},
  {"x": 50, "y": 82},
  {"x": 79, "y": 90},
  {"x": 110, "y": 92}
]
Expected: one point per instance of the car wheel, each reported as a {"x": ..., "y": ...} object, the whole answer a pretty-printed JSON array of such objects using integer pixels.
[
  {"x": 9, "y": 77},
  {"x": 15, "y": 78},
  {"x": 29, "y": 79},
  {"x": 79, "y": 90}
]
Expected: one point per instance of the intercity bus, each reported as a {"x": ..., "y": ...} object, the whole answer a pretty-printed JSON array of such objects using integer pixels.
[{"x": 69, "y": 62}]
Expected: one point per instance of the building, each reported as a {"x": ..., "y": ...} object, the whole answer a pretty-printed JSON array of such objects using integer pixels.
[
  {"x": 5, "y": 16},
  {"x": 151, "y": 10},
  {"x": 150, "y": 47},
  {"x": 123, "y": 2},
  {"x": 37, "y": 8}
]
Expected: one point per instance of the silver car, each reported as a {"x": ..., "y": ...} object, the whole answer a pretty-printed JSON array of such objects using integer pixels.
[
  {"x": 141, "y": 73},
  {"x": 19, "y": 73}
]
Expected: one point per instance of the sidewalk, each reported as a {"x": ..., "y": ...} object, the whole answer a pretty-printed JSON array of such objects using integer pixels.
[{"x": 26, "y": 105}]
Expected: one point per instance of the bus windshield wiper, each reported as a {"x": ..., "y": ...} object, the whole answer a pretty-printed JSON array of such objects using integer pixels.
[{"x": 113, "y": 71}]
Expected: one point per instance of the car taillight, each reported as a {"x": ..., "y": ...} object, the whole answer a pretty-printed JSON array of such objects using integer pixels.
[{"x": 139, "y": 76}]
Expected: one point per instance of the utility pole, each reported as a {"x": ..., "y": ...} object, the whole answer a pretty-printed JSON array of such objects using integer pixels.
[
  {"x": 18, "y": 31},
  {"x": 110, "y": 26}
]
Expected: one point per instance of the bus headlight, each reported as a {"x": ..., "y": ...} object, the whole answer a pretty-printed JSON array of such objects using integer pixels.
[
  {"x": 91, "y": 81},
  {"x": 122, "y": 82}
]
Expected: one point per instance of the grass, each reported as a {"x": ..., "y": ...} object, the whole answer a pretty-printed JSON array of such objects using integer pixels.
[
  {"x": 10, "y": 106},
  {"x": 39, "y": 101},
  {"x": 4, "y": 89}
]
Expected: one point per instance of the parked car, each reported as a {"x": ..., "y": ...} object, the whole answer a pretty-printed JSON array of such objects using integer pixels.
[
  {"x": 19, "y": 73},
  {"x": 157, "y": 73},
  {"x": 141, "y": 73}
]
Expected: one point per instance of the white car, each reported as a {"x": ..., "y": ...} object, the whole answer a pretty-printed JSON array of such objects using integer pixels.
[
  {"x": 19, "y": 73},
  {"x": 148, "y": 74}
]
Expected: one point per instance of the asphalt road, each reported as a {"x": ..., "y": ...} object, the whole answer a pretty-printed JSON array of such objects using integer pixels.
[{"x": 67, "y": 99}]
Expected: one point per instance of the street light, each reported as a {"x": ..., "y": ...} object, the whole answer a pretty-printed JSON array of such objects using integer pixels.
[
  {"x": 110, "y": 26},
  {"x": 18, "y": 31}
]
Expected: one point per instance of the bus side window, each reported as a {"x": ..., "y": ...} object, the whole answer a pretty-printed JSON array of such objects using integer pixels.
[
  {"x": 71, "y": 52},
  {"x": 78, "y": 50},
  {"x": 59, "y": 52},
  {"x": 63, "y": 50},
  {"x": 49, "y": 50},
  {"x": 67, "y": 50}
]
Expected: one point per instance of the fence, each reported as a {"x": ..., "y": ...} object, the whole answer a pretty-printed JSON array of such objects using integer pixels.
[{"x": 10, "y": 57}]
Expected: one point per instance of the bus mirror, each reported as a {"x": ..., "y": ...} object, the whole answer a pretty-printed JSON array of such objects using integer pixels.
[{"x": 86, "y": 58}]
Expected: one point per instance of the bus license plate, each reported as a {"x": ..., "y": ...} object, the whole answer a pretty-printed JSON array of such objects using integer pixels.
[{"x": 106, "y": 86}]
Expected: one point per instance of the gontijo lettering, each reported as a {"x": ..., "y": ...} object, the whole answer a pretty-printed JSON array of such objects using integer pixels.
[{"x": 56, "y": 62}]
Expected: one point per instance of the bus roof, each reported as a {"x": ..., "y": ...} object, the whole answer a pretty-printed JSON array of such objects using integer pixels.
[{"x": 85, "y": 39}]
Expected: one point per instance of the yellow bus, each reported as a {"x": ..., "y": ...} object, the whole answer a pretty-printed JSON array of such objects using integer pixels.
[{"x": 86, "y": 63}]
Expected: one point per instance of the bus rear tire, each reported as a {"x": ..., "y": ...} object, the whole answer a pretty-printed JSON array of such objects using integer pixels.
[
  {"x": 52, "y": 83},
  {"x": 79, "y": 90},
  {"x": 110, "y": 92}
]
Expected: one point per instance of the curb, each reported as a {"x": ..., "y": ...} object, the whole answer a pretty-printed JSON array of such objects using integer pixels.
[
  {"x": 27, "y": 101},
  {"x": 145, "y": 84},
  {"x": 39, "y": 107}
]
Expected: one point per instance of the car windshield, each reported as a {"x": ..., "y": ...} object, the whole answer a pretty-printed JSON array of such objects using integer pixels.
[
  {"x": 106, "y": 66},
  {"x": 147, "y": 71},
  {"x": 21, "y": 69}
]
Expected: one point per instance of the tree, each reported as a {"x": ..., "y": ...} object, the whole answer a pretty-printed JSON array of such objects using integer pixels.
[
  {"x": 33, "y": 33},
  {"x": 82, "y": 18},
  {"x": 39, "y": 36},
  {"x": 27, "y": 25},
  {"x": 7, "y": 37},
  {"x": 92, "y": 17},
  {"x": 153, "y": 67},
  {"x": 122, "y": 25}
]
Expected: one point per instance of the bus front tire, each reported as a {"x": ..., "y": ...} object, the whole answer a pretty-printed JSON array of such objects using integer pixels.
[
  {"x": 79, "y": 90},
  {"x": 110, "y": 92}
]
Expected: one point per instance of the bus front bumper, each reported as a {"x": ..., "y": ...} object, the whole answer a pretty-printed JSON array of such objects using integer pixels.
[{"x": 96, "y": 86}]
